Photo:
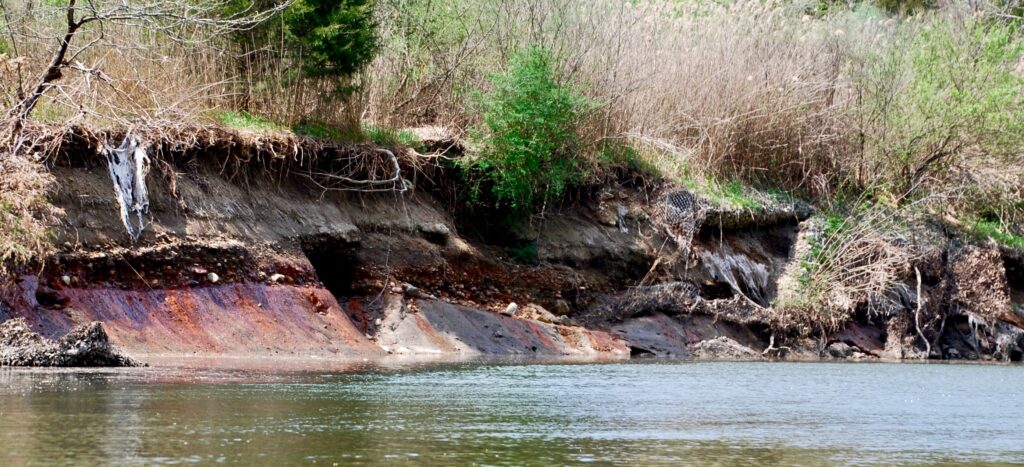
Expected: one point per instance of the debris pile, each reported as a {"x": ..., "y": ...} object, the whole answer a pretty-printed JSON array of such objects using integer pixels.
[{"x": 85, "y": 346}]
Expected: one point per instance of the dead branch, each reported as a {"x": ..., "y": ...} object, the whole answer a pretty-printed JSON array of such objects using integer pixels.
[{"x": 166, "y": 16}]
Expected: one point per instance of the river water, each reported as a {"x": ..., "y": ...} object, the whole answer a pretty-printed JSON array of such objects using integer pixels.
[{"x": 486, "y": 413}]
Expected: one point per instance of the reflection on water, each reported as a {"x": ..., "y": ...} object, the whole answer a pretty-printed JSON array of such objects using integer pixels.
[{"x": 637, "y": 413}]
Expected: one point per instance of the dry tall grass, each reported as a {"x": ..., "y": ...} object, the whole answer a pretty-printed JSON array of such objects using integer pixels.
[
  {"x": 769, "y": 92},
  {"x": 841, "y": 265},
  {"x": 734, "y": 89},
  {"x": 26, "y": 216}
]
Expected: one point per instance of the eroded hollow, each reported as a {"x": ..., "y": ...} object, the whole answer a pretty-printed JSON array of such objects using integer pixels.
[
  {"x": 1015, "y": 277},
  {"x": 335, "y": 263}
]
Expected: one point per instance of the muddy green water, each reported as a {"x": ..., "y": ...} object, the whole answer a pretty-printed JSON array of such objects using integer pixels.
[{"x": 630, "y": 413}]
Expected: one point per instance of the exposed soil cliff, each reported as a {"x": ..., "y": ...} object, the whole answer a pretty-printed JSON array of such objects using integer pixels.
[{"x": 244, "y": 254}]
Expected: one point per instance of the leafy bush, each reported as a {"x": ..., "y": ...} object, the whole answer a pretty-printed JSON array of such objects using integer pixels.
[
  {"x": 336, "y": 37},
  {"x": 302, "y": 64},
  {"x": 935, "y": 97},
  {"x": 905, "y": 6},
  {"x": 530, "y": 146}
]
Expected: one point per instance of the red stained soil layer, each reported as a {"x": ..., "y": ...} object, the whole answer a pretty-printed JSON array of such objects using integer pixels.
[{"x": 232, "y": 319}]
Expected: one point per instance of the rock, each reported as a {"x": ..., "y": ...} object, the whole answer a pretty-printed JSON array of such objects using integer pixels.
[
  {"x": 723, "y": 348},
  {"x": 378, "y": 322},
  {"x": 840, "y": 350},
  {"x": 275, "y": 278},
  {"x": 66, "y": 279},
  {"x": 85, "y": 346},
  {"x": 212, "y": 277},
  {"x": 511, "y": 309},
  {"x": 412, "y": 291},
  {"x": 435, "y": 232},
  {"x": 562, "y": 307},
  {"x": 50, "y": 298},
  {"x": 538, "y": 313}
]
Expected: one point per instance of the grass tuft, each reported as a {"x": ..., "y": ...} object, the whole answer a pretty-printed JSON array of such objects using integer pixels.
[
  {"x": 993, "y": 229},
  {"x": 243, "y": 120}
]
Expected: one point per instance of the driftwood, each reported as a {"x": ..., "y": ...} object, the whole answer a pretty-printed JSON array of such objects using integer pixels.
[{"x": 128, "y": 165}]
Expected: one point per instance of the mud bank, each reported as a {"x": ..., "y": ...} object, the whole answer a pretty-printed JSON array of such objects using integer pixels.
[{"x": 257, "y": 259}]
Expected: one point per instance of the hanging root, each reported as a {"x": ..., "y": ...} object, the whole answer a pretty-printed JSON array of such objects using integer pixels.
[
  {"x": 917, "y": 317},
  {"x": 336, "y": 181}
]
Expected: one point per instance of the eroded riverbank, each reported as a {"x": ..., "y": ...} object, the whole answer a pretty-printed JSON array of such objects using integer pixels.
[{"x": 229, "y": 265}]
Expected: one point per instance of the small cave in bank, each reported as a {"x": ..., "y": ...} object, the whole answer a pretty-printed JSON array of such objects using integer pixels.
[{"x": 335, "y": 264}]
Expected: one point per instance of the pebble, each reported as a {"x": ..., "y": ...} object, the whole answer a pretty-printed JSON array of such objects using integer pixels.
[
  {"x": 511, "y": 309},
  {"x": 378, "y": 322},
  {"x": 276, "y": 277},
  {"x": 65, "y": 279},
  {"x": 212, "y": 277}
]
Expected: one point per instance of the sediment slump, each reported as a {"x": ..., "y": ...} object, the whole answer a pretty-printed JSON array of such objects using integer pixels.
[{"x": 246, "y": 252}]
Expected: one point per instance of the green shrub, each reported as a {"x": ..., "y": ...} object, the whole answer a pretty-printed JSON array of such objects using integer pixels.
[
  {"x": 908, "y": 7},
  {"x": 530, "y": 146},
  {"x": 935, "y": 96},
  {"x": 336, "y": 37},
  {"x": 301, "y": 64}
]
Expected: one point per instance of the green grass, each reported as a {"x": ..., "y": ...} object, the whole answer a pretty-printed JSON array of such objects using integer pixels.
[
  {"x": 323, "y": 131},
  {"x": 731, "y": 194},
  {"x": 245, "y": 121},
  {"x": 390, "y": 137},
  {"x": 985, "y": 229},
  {"x": 382, "y": 136},
  {"x": 617, "y": 154}
]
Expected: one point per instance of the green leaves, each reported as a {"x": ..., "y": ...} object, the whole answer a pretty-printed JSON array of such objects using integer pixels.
[
  {"x": 531, "y": 150},
  {"x": 945, "y": 89},
  {"x": 336, "y": 37}
]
